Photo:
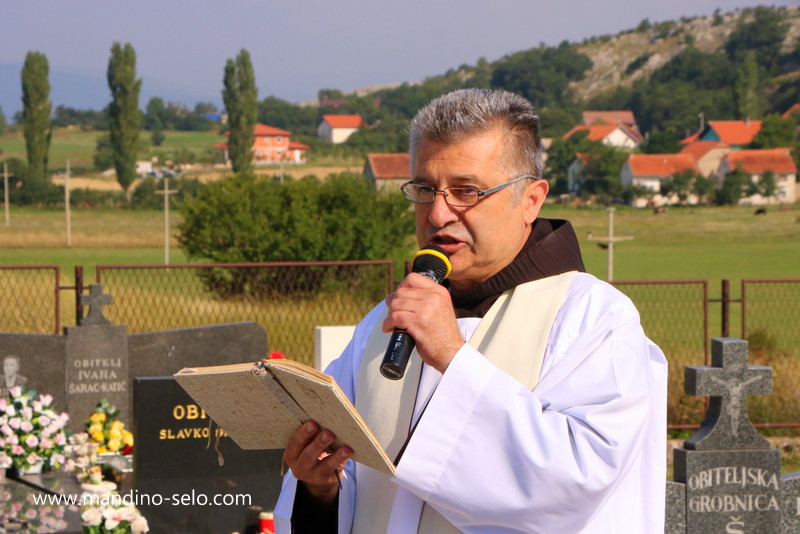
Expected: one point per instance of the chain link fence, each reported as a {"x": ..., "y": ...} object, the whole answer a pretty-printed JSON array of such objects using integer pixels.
[
  {"x": 29, "y": 299},
  {"x": 287, "y": 299},
  {"x": 290, "y": 299},
  {"x": 674, "y": 316},
  {"x": 771, "y": 325}
]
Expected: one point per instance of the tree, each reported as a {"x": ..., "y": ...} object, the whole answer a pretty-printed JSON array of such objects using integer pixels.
[
  {"x": 241, "y": 102},
  {"x": 155, "y": 114},
  {"x": 2, "y": 122},
  {"x": 704, "y": 188},
  {"x": 36, "y": 110},
  {"x": 776, "y": 132},
  {"x": 124, "y": 114},
  {"x": 766, "y": 186},
  {"x": 679, "y": 184},
  {"x": 734, "y": 187},
  {"x": 746, "y": 89}
]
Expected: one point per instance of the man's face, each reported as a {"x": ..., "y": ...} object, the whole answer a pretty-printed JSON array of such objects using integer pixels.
[
  {"x": 10, "y": 366},
  {"x": 482, "y": 239}
]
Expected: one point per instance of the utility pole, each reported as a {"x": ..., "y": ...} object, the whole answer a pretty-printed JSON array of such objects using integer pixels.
[
  {"x": 66, "y": 205},
  {"x": 166, "y": 192},
  {"x": 5, "y": 190}
]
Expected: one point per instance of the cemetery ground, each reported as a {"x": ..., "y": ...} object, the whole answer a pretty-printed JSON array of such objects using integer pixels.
[{"x": 700, "y": 243}]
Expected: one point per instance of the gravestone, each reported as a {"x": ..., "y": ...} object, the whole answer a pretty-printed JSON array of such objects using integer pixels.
[
  {"x": 178, "y": 475},
  {"x": 98, "y": 359},
  {"x": 729, "y": 475}
]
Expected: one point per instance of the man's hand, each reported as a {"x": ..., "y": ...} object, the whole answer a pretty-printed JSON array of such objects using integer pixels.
[
  {"x": 312, "y": 462},
  {"x": 423, "y": 308}
]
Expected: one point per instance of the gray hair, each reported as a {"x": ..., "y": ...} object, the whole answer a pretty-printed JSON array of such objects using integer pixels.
[{"x": 458, "y": 115}]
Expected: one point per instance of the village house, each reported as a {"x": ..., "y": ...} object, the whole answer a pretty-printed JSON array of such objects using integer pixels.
[
  {"x": 272, "y": 145},
  {"x": 338, "y": 128},
  {"x": 610, "y": 117},
  {"x": 387, "y": 170},
  {"x": 737, "y": 134},
  {"x": 758, "y": 162},
  {"x": 575, "y": 171},
  {"x": 708, "y": 155},
  {"x": 650, "y": 170},
  {"x": 617, "y": 135}
]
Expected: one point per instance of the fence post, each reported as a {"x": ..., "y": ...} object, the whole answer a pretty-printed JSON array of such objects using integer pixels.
[
  {"x": 78, "y": 293},
  {"x": 726, "y": 305}
]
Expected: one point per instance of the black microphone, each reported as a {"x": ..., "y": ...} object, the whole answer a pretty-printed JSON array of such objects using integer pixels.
[{"x": 433, "y": 262}]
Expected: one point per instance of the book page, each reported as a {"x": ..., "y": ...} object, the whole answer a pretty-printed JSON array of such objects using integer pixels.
[
  {"x": 240, "y": 403},
  {"x": 325, "y": 403}
]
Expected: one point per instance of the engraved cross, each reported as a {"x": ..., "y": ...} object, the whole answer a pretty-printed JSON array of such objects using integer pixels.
[{"x": 728, "y": 382}]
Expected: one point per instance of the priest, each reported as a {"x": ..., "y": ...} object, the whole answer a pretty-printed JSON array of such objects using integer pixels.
[{"x": 533, "y": 401}]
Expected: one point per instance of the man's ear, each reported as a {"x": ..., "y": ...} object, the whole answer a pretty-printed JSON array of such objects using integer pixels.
[{"x": 534, "y": 197}]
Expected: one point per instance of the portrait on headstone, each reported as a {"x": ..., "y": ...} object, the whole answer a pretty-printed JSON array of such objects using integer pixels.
[{"x": 11, "y": 376}]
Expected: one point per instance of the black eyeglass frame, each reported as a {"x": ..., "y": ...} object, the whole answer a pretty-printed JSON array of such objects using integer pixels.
[{"x": 478, "y": 197}]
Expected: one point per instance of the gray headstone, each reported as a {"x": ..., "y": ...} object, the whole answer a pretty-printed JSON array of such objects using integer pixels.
[
  {"x": 96, "y": 368},
  {"x": 728, "y": 382},
  {"x": 675, "y": 522},
  {"x": 731, "y": 474},
  {"x": 791, "y": 503}
]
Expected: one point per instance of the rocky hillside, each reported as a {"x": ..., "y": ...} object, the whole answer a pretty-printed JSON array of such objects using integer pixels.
[{"x": 628, "y": 56}]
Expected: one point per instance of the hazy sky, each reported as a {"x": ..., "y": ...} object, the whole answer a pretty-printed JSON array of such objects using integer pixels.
[{"x": 297, "y": 46}]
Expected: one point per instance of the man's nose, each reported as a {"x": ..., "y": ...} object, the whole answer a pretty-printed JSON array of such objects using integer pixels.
[{"x": 441, "y": 212}]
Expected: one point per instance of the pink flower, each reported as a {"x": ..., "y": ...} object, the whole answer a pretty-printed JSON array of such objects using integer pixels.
[
  {"x": 27, "y": 412},
  {"x": 26, "y": 426},
  {"x": 17, "y": 450},
  {"x": 14, "y": 422},
  {"x": 46, "y": 399},
  {"x": 31, "y": 441},
  {"x": 5, "y": 429},
  {"x": 45, "y": 444},
  {"x": 33, "y": 458},
  {"x": 16, "y": 391},
  {"x": 61, "y": 439},
  {"x": 44, "y": 420}
]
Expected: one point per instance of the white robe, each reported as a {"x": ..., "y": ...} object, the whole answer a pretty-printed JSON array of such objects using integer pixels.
[{"x": 584, "y": 452}]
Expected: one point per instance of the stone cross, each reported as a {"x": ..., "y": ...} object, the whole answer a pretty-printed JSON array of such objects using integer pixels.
[
  {"x": 728, "y": 382},
  {"x": 96, "y": 299}
]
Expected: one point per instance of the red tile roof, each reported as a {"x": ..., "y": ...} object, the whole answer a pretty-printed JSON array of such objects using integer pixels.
[
  {"x": 691, "y": 139},
  {"x": 343, "y": 121},
  {"x": 389, "y": 166},
  {"x": 698, "y": 149},
  {"x": 736, "y": 132},
  {"x": 760, "y": 161},
  {"x": 794, "y": 110},
  {"x": 270, "y": 131},
  {"x": 608, "y": 117},
  {"x": 661, "y": 164},
  {"x": 598, "y": 132},
  {"x": 297, "y": 145}
]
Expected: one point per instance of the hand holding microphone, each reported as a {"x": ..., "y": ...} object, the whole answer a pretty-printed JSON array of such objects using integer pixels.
[{"x": 434, "y": 263}]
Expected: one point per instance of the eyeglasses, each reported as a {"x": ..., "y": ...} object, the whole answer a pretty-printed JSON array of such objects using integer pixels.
[{"x": 460, "y": 197}]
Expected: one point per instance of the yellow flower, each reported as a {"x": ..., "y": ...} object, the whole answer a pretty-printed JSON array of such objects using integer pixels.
[
  {"x": 98, "y": 437},
  {"x": 97, "y": 417},
  {"x": 114, "y": 434},
  {"x": 117, "y": 425},
  {"x": 114, "y": 445},
  {"x": 101, "y": 448},
  {"x": 95, "y": 428},
  {"x": 127, "y": 438}
]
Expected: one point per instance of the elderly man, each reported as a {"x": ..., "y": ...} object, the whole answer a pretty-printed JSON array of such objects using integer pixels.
[
  {"x": 533, "y": 403},
  {"x": 11, "y": 377}
]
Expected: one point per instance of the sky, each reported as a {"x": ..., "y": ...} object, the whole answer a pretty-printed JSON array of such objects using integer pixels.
[{"x": 297, "y": 46}]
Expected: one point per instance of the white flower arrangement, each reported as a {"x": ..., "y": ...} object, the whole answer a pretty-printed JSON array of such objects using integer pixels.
[
  {"x": 31, "y": 432},
  {"x": 107, "y": 513}
]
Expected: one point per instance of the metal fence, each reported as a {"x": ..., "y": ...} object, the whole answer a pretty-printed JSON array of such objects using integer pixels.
[
  {"x": 290, "y": 299},
  {"x": 30, "y": 299},
  {"x": 287, "y": 299}
]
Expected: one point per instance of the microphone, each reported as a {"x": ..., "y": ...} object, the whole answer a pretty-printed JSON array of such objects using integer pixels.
[{"x": 431, "y": 261}]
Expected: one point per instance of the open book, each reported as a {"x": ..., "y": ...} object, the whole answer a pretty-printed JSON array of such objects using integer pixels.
[{"x": 260, "y": 405}]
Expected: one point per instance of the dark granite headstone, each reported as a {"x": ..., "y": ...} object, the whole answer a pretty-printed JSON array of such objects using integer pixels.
[
  {"x": 731, "y": 473},
  {"x": 178, "y": 472},
  {"x": 97, "y": 359}
]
